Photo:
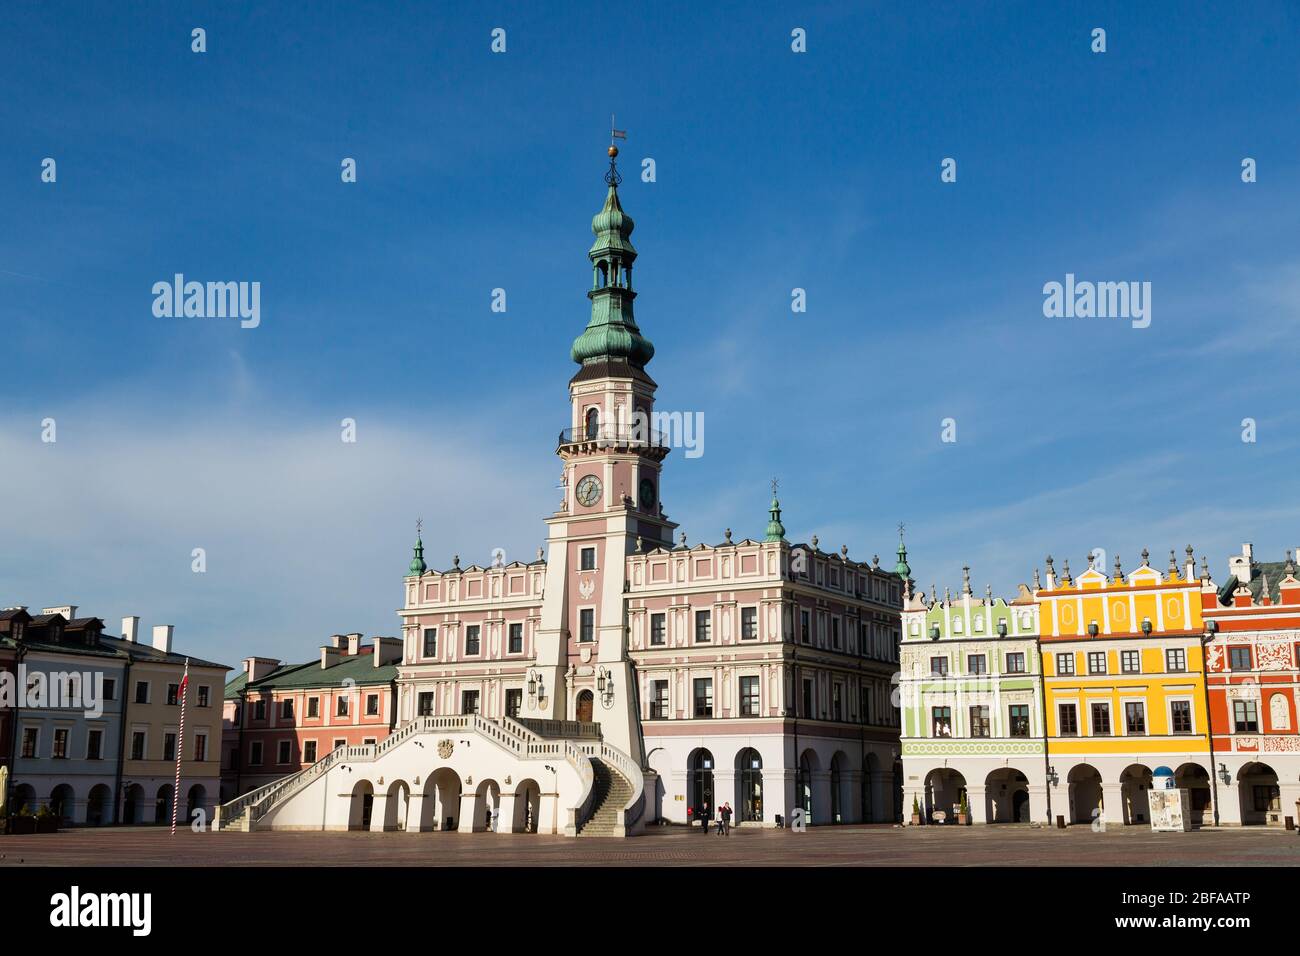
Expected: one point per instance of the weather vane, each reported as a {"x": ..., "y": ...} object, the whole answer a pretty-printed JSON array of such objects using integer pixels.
[
  {"x": 900, "y": 529},
  {"x": 419, "y": 526},
  {"x": 612, "y": 177},
  {"x": 774, "y": 484}
]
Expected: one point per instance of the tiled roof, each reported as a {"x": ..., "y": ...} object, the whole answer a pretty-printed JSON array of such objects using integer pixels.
[
  {"x": 147, "y": 652},
  {"x": 1275, "y": 571},
  {"x": 360, "y": 668}
]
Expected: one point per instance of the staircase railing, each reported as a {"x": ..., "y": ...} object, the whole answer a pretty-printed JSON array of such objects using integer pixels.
[
  {"x": 629, "y": 768},
  {"x": 581, "y": 763}
]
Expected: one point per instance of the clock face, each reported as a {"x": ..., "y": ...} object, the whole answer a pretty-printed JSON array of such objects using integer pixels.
[
  {"x": 647, "y": 495},
  {"x": 588, "y": 491}
]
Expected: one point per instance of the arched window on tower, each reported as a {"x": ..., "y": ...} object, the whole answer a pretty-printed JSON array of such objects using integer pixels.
[
  {"x": 602, "y": 271},
  {"x": 593, "y": 423}
]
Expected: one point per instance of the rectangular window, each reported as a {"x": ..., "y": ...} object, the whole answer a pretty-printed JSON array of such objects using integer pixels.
[
  {"x": 286, "y": 709},
  {"x": 979, "y": 721},
  {"x": 282, "y": 755},
  {"x": 749, "y": 697},
  {"x": 95, "y": 745},
  {"x": 703, "y": 697},
  {"x": 255, "y": 754},
  {"x": 200, "y": 746},
  {"x": 169, "y": 746},
  {"x": 835, "y": 633},
  {"x": 837, "y": 702},
  {"x": 588, "y": 559},
  {"x": 1018, "y": 716},
  {"x": 658, "y": 637},
  {"x": 864, "y": 705},
  {"x": 516, "y": 645},
  {"x": 941, "y": 721},
  {"x": 703, "y": 627},
  {"x": 137, "y": 745},
  {"x": 1135, "y": 718},
  {"x": 424, "y": 705},
  {"x": 1130, "y": 662},
  {"x": 808, "y": 698},
  {"x": 805, "y": 628},
  {"x": 1180, "y": 716},
  {"x": 205, "y": 695},
  {"x": 313, "y": 707},
  {"x": 1245, "y": 716},
  {"x": 1175, "y": 660},
  {"x": 1239, "y": 658},
  {"x": 110, "y": 689},
  {"x": 60, "y": 751},
  {"x": 309, "y": 751},
  {"x": 29, "y": 742},
  {"x": 372, "y": 705},
  {"x": 173, "y": 694},
  {"x": 1067, "y": 720},
  {"x": 141, "y": 692},
  {"x": 659, "y": 701},
  {"x": 514, "y": 702},
  {"x": 430, "y": 642},
  {"x": 472, "y": 639},
  {"x": 339, "y": 742},
  {"x": 1016, "y": 662},
  {"x": 1065, "y": 665},
  {"x": 587, "y": 625},
  {"x": 939, "y": 666},
  {"x": 1101, "y": 720},
  {"x": 977, "y": 664},
  {"x": 259, "y": 710},
  {"x": 469, "y": 702},
  {"x": 1097, "y": 662},
  {"x": 748, "y": 623},
  {"x": 341, "y": 708}
]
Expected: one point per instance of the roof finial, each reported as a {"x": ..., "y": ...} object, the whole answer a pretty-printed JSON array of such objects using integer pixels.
[
  {"x": 1038, "y": 582},
  {"x": 612, "y": 177},
  {"x": 965, "y": 579},
  {"x": 775, "y": 530},
  {"x": 1119, "y": 572},
  {"x": 902, "y": 569},
  {"x": 1146, "y": 558}
]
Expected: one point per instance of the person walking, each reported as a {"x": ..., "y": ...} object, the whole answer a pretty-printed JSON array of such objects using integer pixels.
[{"x": 726, "y": 818}]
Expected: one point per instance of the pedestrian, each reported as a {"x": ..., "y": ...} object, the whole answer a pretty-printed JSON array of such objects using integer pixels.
[
  {"x": 726, "y": 818},
  {"x": 704, "y": 818},
  {"x": 496, "y": 816}
]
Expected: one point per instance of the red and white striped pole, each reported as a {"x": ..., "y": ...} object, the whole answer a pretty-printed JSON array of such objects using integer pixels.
[{"x": 180, "y": 745}]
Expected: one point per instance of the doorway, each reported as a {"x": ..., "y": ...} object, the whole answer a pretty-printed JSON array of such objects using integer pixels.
[{"x": 584, "y": 707}]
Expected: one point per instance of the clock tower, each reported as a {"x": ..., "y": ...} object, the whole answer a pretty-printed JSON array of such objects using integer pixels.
[{"x": 612, "y": 459}]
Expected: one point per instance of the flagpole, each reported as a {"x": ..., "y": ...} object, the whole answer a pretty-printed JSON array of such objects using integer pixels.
[{"x": 180, "y": 745}]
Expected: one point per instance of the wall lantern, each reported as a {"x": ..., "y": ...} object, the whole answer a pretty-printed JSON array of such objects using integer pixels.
[
  {"x": 1211, "y": 627},
  {"x": 1052, "y": 777},
  {"x": 536, "y": 690},
  {"x": 1002, "y": 628},
  {"x": 1223, "y": 773},
  {"x": 605, "y": 686},
  {"x": 1146, "y": 625},
  {"x": 1092, "y": 629}
]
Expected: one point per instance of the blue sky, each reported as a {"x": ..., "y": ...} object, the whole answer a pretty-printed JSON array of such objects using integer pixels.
[{"x": 775, "y": 170}]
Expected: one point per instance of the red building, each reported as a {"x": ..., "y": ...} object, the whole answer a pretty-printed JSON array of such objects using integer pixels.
[
  {"x": 280, "y": 718},
  {"x": 1253, "y": 686}
]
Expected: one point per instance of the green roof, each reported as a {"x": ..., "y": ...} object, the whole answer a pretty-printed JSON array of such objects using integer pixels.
[
  {"x": 361, "y": 669},
  {"x": 1275, "y": 571}
]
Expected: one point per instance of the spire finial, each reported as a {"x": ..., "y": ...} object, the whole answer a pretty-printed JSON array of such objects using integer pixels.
[
  {"x": 1119, "y": 572},
  {"x": 965, "y": 579},
  {"x": 775, "y": 530},
  {"x": 1038, "y": 582},
  {"x": 1205, "y": 569},
  {"x": 902, "y": 569}
]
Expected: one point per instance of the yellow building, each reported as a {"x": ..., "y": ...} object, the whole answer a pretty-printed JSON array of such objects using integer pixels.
[{"x": 1124, "y": 688}]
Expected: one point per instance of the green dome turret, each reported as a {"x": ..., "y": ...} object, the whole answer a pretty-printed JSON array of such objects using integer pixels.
[
  {"x": 418, "y": 566},
  {"x": 775, "y": 530},
  {"x": 901, "y": 568},
  {"x": 612, "y": 334}
]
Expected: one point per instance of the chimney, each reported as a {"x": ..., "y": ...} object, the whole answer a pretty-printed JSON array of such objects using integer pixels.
[
  {"x": 1239, "y": 565},
  {"x": 131, "y": 629},
  {"x": 162, "y": 638},
  {"x": 69, "y": 611},
  {"x": 354, "y": 644},
  {"x": 329, "y": 656},
  {"x": 388, "y": 650},
  {"x": 258, "y": 667},
  {"x": 336, "y": 640}
]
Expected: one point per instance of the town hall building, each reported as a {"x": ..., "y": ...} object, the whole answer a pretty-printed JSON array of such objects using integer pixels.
[{"x": 627, "y": 676}]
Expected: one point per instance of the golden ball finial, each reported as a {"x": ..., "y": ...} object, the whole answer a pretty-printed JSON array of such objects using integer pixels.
[{"x": 613, "y": 151}]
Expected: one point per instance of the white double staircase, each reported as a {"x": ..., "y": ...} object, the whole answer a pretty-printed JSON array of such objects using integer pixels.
[{"x": 611, "y": 804}]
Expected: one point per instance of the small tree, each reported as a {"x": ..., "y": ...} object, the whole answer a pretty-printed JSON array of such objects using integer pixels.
[{"x": 964, "y": 807}]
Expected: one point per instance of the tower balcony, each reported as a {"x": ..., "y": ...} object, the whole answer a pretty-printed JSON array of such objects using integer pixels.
[{"x": 611, "y": 438}]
